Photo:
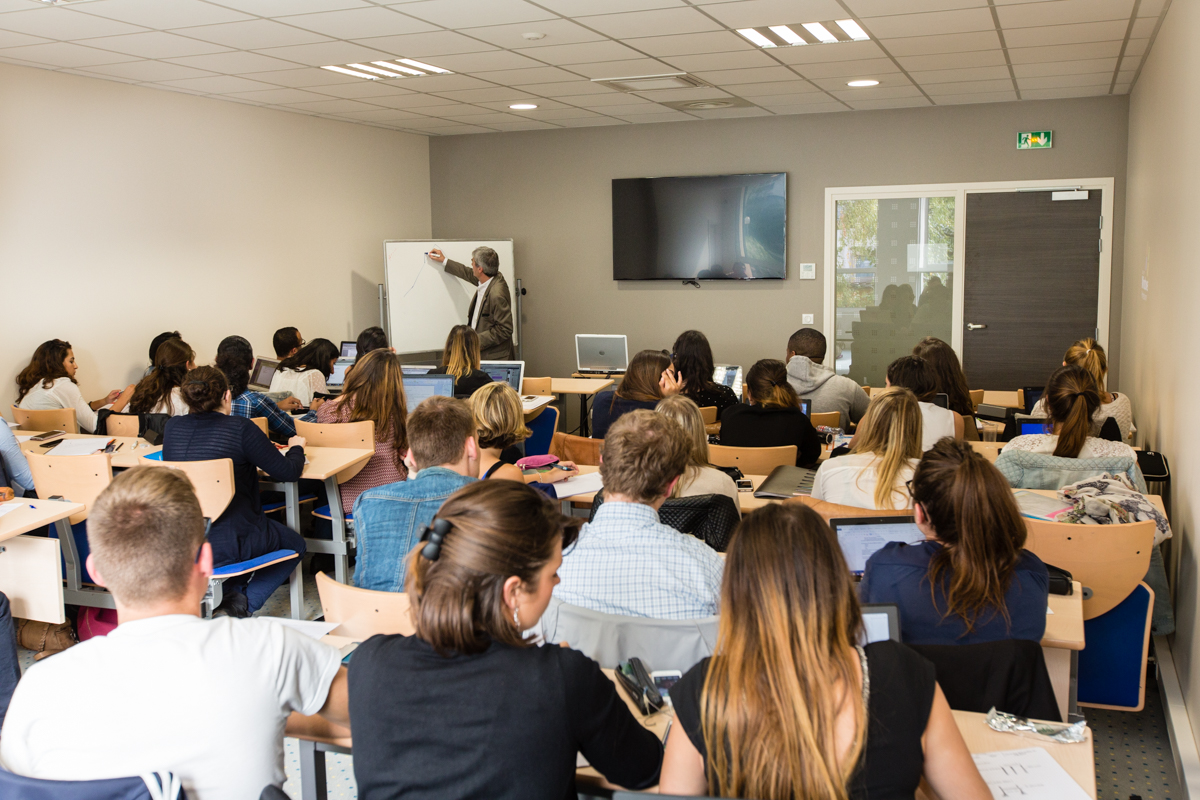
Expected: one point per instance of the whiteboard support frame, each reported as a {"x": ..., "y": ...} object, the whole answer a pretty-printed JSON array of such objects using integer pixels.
[{"x": 517, "y": 322}]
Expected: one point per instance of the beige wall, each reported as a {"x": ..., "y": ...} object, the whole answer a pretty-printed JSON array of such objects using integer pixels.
[
  {"x": 126, "y": 211},
  {"x": 1161, "y": 324},
  {"x": 550, "y": 191}
]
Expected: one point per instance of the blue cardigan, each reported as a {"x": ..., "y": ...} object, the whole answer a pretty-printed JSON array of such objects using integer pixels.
[{"x": 898, "y": 573}]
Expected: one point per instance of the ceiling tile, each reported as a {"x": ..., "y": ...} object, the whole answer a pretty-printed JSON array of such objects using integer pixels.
[
  {"x": 543, "y": 106},
  {"x": 1056, "y": 81},
  {"x": 523, "y": 125},
  {"x": 977, "y": 97},
  {"x": 25, "y": 5},
  {"x": 935, "y": 23},
  {"x": 623, "y": 69},
  {"x": 736, "y": 76},
  {"x": 882, "y": 8},
  {"x": 977, "y": 58},
  {"x": 582, "y": 8},
  {"x": 840, "y": 90},
  {"x": 662, "y": 22},
  {"x": 774, "y": 87},
  {"x": 738, "y": 59},
  {"x": 1143, "y": 28},
  {"x": 149, "y": 71},
  {"x": 1064, "y": 92},
  {"x": 557, "y": 32},
  {"x": 63, "y": 54},
  {"x": 331, "y": 106},
  {"x": 966, "y": 87},
  {"x": 1065, "y": 67},
  {"x": 64, "y": 24},
  {"x": 1067, "y": 34},
  {"x": 559, "y": 113},
  {"x": 303, "y": 78},
  {"x": 281, "y": 8},
  {"x": 812, "y": 108},
  {"x": 728, "y": 113},
  {"x": 926, "y": 78},
  {"x": 590, "y": 122},
  {"x": 690, "y": 44},
  {"x": 1069, "y": 52},
  {"x": 458, "y": 111},
  {"x": 568, "y": 88},
  {"x": 950, "y": 43},
  {"x": 1136, "y": 47},
  {"x": 483, "y": 62},
  {"x": 492, "y": 117},
  {"x": 603, "y": 100},
  {"x": 425, "y": 45},
  {"x": 526, "y": 77},
  {"x": 582, "y": 53},
  {"x": 218, "y": 84},
  {"x": 279, "y": 96},
  {"x": 253, "y": 34},
  {"x": 681, "y": 95},
  {"x": 905, "y": 102},
  {"x": 756, "y": 13},
  {"x": 795, "y": 98},
  {"x": 443, "y": 83},
  {"x": 459, "y": 130},
  {"x": 360, "y": 90},
  {"x": 1151, "y": 8},
  {"x": 821, "y": 53},
  {"x": 325, "y": 53},
  {"x": 160, "y": 15},
  {"x": 415, "y": 101},
  {"x": 154, "y": 44},
  {"x": 360, "y": 23},
  {"x": 458, "y": 14},
  {"x": 10, "y": 39},
  {"x": 838, "y": 69},
  {"x": 381, "y": 115},
  {"x": 1063, "y": 12},
  {"x": 234, "y": 63},
  {"x": 666, "y": 116},
  {"x": 480, "y": 95}
]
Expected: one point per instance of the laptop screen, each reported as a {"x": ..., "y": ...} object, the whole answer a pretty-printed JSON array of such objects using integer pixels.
[
  {"x": 881, "y": 621},
  {"x": 338, "y": 376},
  {"x": 861, "y": 537},
  {"x": 264, "y": 371},
  {"x": 1032, "y": 426},
  {"x": 505, "y": 371},
  {"x": 419, "y": 387},
  {"x": 416, "y": 369},
  {"x": 806, "y": 408},
  {"x": 349, "y": 349},
  {"x": 1032, "y": 395},
  {"x": 729, "y": 375},
  {"x": 598, "y": 352}
]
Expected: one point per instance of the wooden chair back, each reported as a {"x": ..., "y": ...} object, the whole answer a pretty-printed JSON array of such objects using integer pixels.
[
  {"x": 708, "y": 414},
  {"x": 976, "y": 397},
  {"x": 120, "y": 425},
  {"x": 538, "y": 386},
  {"x": 752, "y": 460},
  {"x": 362, "y": 612},
  {"x": 79, "y": 479},
  {"x": 261, "y": 422},
  {"x": 1110, "y": 560},
  {"x": 830, "y": 419},
  {"x": 212, "y": 480},
  {"x": 867, "y": 389},
  {"x": 579, "y": 449},
  {"x": 57, "y": 419},
  {"x": 356, "y": 435}
]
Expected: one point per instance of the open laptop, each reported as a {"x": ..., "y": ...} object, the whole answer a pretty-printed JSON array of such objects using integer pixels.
[
  {"x": 729, "y": 375},
  {"x": 264, "y": 370},
  {"x": 862, "y": 537},
  {"x": 806, "y": 407},
  {"x": 1031, "y": 425},
  {"x": 881, "y": 621},
  {"x": 416, "y": 369},
  {"x": 419, "y": 387},
  {"x": 337, "y": 378},
  {"x": 511, "y": 372},
  {"x": 349, "y": 349},
  {"x": 601, "y": 353}
]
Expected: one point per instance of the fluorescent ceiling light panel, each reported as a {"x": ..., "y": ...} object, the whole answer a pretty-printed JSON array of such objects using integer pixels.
[
  {"x": 787, "y": 34},
  {"x": 377, "y": 70},
  {"x": 860, "y": 84},
  {"x": 820, "y": 31},
  {"x": 756, "y": 37},
  {"x": 852, "y": 29},
  {"x": 353, "y": 72},
  {"x": 421, "y": 65},
  {"x": 523, "y": 106},
  {"x": 398, "y": 68}
]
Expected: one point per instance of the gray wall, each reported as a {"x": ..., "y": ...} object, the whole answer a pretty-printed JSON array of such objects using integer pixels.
[{"x": 550, "y": 191}]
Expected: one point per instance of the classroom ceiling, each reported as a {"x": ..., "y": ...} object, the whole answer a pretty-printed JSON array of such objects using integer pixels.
[{"x": 271, "y": 53}]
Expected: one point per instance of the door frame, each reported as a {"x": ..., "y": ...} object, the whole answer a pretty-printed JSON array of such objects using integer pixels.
[{"x": 959, "y": 192}]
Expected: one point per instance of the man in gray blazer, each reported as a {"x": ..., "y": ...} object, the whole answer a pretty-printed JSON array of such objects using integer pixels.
[{"x": 490, "y": 313}]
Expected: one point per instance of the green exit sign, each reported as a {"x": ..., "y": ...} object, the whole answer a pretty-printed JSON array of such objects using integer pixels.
[{"x": 1034, "y": 140}]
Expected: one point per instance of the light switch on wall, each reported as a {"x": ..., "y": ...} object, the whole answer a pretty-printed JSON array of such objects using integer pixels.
[{"x": 806, "y": 319}]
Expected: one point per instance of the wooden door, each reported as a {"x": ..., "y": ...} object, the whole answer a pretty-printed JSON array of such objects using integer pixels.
[{"x": 1032, "y": 272}]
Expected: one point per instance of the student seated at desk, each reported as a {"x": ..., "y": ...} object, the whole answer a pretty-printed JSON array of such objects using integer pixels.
[
  {"x": 235, "y": 357},
  {"x": 443, "y": 456},
  {"x": 950, "y": 380},
  {"x": 648, "y": 379},
  {"x": 789, "y": 705},
  {"x": 243, "y": 531},
  {"x": 374, "y": 391},
  {"x": 626, "y": 561},
  {"x": 821, "y": 386},
  {"x": 882, "y": 457},
  {"x": 287, "y": 342},
  {"x": 970, "y": 581},
  {"x": 304, "y": 373},
  {"x": 693, "y": 360},
  {"x": 158, "y": 392},
  {"x": 916, "y": 374},
  {"x": 371, "y": 339},
  {"x": 460, "y": 358},
  {"x": 1088, "y": 353},
  {"x": 154, "y": 343},
  {"x": 771, "y": 415},
  {"x": 48, "y": 383},
  {"x": 204, "y": 699},
  {"x": 699, "y": 477},
  {"x": 14, "y": 468},
  {"x": 511, "y": 716},
  {"x": 501, "y": 425},
  {"x": 1071, "y": 402}
]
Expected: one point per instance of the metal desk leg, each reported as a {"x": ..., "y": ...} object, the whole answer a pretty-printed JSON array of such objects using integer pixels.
[
  {"x": 312, "y": 771},
  {"x": 1073, "y": 695},
  {"x": 296, "y": 586},
  {"x": 70, "y": 554},
  {"x": 341, "y": 561},
  {"x": 291, "y": 496},
  {"x": 585, "y": 429}
]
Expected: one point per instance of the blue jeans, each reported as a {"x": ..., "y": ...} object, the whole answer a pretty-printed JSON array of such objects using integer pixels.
[
  {"x": 260, "y": 584},
  {"x": 10, "y": 669}
]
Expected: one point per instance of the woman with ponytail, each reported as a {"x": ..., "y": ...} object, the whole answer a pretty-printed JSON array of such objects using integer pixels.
[
  {"x": 511, "y": 715},
  {"x": 771, "y": 415},
  {"x": 158, "y": 392},
  {"x": 789, "y": 705},
  {"x": 1072, "y": 400},
  {"x": 970, "y": 581},
  {"x": 1088, "y": 353}
]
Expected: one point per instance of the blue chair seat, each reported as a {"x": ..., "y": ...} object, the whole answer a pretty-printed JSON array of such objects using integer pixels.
[
  {"x": 269, "y": 508},
  {"x": 1112, "y": 667},
  {"x": 165, "y": 785},
  {"x": 324, "y": 513},
  {"x": 242, "y": 567}
]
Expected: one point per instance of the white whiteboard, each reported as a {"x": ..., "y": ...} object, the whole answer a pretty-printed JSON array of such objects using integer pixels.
[{"x": 423, "y": 302}]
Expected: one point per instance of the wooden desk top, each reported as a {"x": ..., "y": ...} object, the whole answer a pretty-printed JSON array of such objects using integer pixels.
[
  {"x": 1064, "y": 628},
  {"x": 579, "y": 385},
  {"x": 1078, "y": 759},
  {"x": 33, "y": 514},
  {"x": 325, "y": 462},
  {"x": 989, "y": 450},
  {"x": 124, "y": 458}
]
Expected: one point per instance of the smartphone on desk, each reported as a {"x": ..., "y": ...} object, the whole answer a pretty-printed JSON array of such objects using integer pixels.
[
  {"x": 47, "y": 436},
  {"x": 664, "y": 679},
  {"x": 745, "y": 485}
]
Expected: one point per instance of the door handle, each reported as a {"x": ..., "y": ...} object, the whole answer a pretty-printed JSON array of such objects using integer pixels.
[{"x": 971, "y": 326}]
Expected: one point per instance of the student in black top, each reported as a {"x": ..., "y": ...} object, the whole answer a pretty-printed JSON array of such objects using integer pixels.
[
  {"x": 693, "y": 359},
  {"x": 461, "y": 359},
  {"x": 372, "y": 338},
  {"x": 789, "y": 705},
  {"x": 468, "y": 707},
  {"x": 950, "y": 380},
  {"x": 243, "y": 531},
  {"x": 649, "y": 378},
  {"x": 771, "y": 415}
]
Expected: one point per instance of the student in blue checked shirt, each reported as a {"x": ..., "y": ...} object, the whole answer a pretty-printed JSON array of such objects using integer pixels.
[{"x": 235, "y": 357}]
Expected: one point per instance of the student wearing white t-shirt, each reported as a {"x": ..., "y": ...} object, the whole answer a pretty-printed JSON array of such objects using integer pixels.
[
  {"x": 204, "y": 699},
  {"x": 48, "y": 383},
  {"x": 304, "y": 373},
  {"x": 158, "y": 392},
  {"x": 916, "y": 374}
]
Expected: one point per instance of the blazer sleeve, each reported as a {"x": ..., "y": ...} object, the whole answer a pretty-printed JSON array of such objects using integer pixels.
[
  {"x": 499, "y": 310},
  {"x": 460, "y": 271},
  {"x": 262, "y": 453}
]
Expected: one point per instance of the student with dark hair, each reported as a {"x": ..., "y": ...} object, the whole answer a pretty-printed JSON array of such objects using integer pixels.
[
  {"x": 950, "y": 380},
  {"x": 483, "y": 576},
  {"x": 243, "y": 531},
  {"x": 48, "y": 383},
  {"x": 155, "y": 342},
  {"x": 287, "y": 342},
  {"x": 970, "y": 581},
  {"x": 915, "y": 374},
  {"x": 158, "y": 392},
  {"x": 372, "y": 338},
  {"x": 460, "y": 358},
  {"x": 821, "y": 386},
  {"x": 235, "y": 357},
  {"x": 693, "y": 360},
  {"x": 1071, "y": 402},
  {"x": 648, "y": 379},
  {"x": 771, "y": 415},
  {"x": 304, "y": 373}
]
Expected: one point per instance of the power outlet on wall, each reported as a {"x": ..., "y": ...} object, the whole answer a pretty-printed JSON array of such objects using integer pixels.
[{"x": 806, "y": 319}]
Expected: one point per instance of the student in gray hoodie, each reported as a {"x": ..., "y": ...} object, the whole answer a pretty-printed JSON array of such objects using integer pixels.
[{"x": 819, "y": 384}]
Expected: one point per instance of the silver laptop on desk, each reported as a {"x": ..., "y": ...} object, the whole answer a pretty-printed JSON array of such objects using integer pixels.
[
  {"x": 601, "y": 353},
  {"x": 264, "y": 370},
  {"x": 510, "y": 372}
]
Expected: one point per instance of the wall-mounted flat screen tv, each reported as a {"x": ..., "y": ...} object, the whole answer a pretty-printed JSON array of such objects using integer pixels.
[{"x": 713, "y": 227}]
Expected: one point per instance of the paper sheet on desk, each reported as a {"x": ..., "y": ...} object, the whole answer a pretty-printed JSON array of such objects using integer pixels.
[
  {"x": 12, "y": 505},
  {"x": 309, "y": 628},
  {"x": 80, "y": 447},
  {"x": 26, "y": 438},
  {"x": 1031, "y": 774},
  {"x": 584, "y": 483}
]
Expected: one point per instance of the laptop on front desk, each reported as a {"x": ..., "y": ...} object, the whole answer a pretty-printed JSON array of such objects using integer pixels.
[{"x": 601, "y": 353}]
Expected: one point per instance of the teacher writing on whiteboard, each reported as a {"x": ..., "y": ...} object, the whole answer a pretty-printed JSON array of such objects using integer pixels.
[{"x": 490, "y": 313}]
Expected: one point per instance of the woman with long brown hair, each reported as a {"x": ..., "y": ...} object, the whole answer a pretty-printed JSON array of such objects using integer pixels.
[
  {"x": 158, "y": 392},
  {"x": 374, "y": 391},
  {"x": 1088, "y": 353},
  {"x": 950, "y": 380},
  {"x": 789, "y": 705},
  {"x": 48, "y": 383},
  {"x": 771, "y": 415},
  {"x": 693, "y": 358},
  {"x": 970, "y": 581},
  {"x": 649, "y": 378},
  {"x": 1071, "y": 402},
  {"x": 460, "y": 358}
]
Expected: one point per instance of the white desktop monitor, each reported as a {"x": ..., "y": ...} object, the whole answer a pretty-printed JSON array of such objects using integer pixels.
[
  {"x": 338, "y": 376},
  {"x": 419, "y": 387},
  {"x": 861, "y": 537},
  {"x": 601, "y": 352},
  {"x": 729, "y": 375},
  {"x": 511, "y": 372},
  {"x": 349, "y": 349},
  {"x": 264, "y": 371}
]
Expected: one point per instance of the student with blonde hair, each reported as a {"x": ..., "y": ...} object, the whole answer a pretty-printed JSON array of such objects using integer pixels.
[
  {"x": 771, "y": 415},
  {"x": 882, "y": 458},
  {"x": 460, "y": 358},
  {"x": 790, "y": 705},
  {"x": 1088, "y": 353},
  {"x": 501, "y": 425},
  {"x": 700, "y": 477}
]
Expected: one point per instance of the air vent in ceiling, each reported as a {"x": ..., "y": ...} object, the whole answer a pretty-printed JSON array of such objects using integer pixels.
[
  {"x": 707, "y": 103},
  {"x": 649, "y": 83}
]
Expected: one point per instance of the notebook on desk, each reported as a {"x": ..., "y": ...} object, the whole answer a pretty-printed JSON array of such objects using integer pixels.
[{"x": 787, "y": 481}]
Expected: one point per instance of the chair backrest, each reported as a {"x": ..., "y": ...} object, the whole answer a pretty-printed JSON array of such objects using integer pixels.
[
  {"x": 538, "y": 386},
  {"x": 212, "y": 480},
  {"x": 363, "y": 612},
  {"x": 152, "y": 786},
  {"x": 752, "y": 460},
  {"x": 829, "y": 418},
  {"x": 711, "y": 517},
  {"x": 359, "y": 435},
  {"x": 1110, "y": 560},
  {"x": 57, "y": 419},
  {"x": 79, "y": 479},
  {"x": 579, "y": 449},
  {"x": 261, "y": 422},
  {"x": 1008, "y": 675},
  {"x": 1112, "y": 668},
  {"x": 612, "y": 639},
  {"x": 708, "y": 414},
  {"x": 123, "y": 425},
  {"x": 976, "y": 397},
  {"x": 542, "y": 429},
  {"x": 867, "y": 389}
]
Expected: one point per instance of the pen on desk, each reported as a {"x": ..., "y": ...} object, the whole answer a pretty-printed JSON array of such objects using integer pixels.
[{"x": 118, "y": 447}]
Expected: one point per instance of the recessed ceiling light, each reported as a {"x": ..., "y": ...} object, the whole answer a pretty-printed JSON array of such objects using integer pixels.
[
  {"x": 756, "y": 37},
  {"x": 787, "y": 34},
  {"x": 378, "y": 70},
  {"x": 353, "y": 72},
  {"x": 853, "y": 30},
  {"x": 707, "y": 105},
  {"x": 533, "y": 36},
  {"x": 398, "y": 68},
  {"x": 367, "y": 68},
  {"x": 858, "y": 84},
  {"x": 820, "y": 31},
  {"x": 421, "y": 65},
  {"x": 523, "y": 106},
  {"x": 797, "y": 34}
]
